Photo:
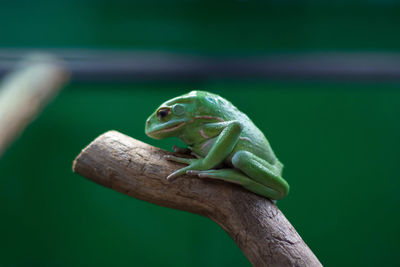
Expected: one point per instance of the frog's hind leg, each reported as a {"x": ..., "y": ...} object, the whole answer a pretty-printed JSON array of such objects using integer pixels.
[
  {"x": 262, "y": 172},
  {"x": 236, "y": 177}
]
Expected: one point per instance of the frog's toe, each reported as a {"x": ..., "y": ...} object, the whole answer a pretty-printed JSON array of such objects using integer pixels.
[
  {"x": 202, "y": 174},
  {"x": 172, "y": 176},
  {"x": 177, "y": 159},
  {"x": 177, "y": 173},
  {"x": 192, "y": 172}
]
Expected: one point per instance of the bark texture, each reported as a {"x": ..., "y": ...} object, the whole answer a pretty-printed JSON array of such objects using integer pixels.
[
  {"x": 25, "y": 91},
  {"x": 137, "y": 169}
]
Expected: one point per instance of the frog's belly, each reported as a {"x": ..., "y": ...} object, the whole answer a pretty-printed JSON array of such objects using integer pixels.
[{"x": 203, "y": 149}]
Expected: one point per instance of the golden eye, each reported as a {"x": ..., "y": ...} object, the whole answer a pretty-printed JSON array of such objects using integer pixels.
[{"x": 162, "y": 113}]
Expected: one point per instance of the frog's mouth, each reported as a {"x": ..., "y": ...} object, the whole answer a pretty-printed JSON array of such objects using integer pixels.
[{"x": 156, "y": 133}]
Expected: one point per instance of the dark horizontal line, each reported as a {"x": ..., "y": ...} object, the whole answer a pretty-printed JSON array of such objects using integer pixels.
[{"x": 106, "y": 65}]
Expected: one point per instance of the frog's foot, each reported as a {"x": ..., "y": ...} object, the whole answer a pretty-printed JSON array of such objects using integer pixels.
[
  {"x": 194, "y": 164},
  {"x": 178, "y": 159},
  {"x": 236, "y": 177},
  {"x": 228, "y": 175}
]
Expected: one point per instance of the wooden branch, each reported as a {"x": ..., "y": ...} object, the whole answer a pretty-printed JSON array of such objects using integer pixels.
[
  {"x": 137, "y": 169},
  {"x": 24, "y": 93}
]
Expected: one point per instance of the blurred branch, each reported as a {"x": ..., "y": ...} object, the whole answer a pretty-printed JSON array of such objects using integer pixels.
[
  {"x": 25, "y": 91},
  {"x": 114, "y": 65},
  {"x": 137, "y": 169}
]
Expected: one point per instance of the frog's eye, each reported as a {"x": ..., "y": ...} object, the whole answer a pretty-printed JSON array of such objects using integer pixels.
[
  {"x": 162, "y": 113},
  {"x": 178, "y": 109}
]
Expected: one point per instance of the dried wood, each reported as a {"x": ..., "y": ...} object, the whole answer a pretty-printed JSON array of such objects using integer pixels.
[{"x": 137, "y": 169}]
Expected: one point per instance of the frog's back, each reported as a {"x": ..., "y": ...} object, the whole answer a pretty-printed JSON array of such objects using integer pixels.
[{"x": 251, "y": 138}]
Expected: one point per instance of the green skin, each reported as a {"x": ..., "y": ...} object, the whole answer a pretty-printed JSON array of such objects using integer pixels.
[{"x": 227, "y": 144}]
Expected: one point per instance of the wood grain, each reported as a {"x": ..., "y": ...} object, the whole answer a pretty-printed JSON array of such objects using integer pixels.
[{"x": 137, "y": 169}]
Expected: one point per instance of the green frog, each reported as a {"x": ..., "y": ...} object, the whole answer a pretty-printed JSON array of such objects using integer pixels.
[{"x": 226, "y": 143}]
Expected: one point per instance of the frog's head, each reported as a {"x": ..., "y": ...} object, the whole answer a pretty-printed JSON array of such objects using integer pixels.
[{"x": 173, "y": 116}]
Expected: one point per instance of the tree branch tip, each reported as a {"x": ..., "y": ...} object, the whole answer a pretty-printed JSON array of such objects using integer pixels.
[{"x": 77, "y": 158}]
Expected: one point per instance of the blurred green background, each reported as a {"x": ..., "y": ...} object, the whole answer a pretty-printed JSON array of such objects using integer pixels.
[{"x": 339, "y": 141}]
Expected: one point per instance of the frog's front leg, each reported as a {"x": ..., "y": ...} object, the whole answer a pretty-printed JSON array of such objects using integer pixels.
[
  {"x": 222, "y": 147},
  {"x": 256, "y": 175}
]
